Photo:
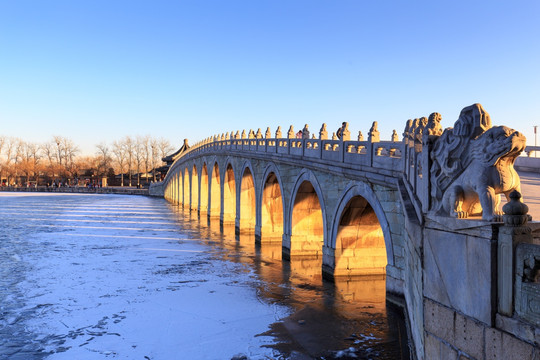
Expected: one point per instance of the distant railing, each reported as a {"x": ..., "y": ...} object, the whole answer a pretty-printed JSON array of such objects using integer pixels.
[
  {"x": 532, "y": 150},
  {"x": 77, "y": 189},
  {"x": 384, "y": 154}
]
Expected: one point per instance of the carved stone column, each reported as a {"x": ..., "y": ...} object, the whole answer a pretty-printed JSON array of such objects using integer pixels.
[
  {"x": 323, "y": 133},
  {"x": 513, "y": 232}
]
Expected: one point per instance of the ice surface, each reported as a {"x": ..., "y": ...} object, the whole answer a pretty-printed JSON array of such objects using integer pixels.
[
  {"x": 85, "y": 276},
  {"x": 115, "y": 276}
]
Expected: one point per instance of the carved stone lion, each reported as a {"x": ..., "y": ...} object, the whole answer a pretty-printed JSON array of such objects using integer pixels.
[{"x": 472, "y": 168}]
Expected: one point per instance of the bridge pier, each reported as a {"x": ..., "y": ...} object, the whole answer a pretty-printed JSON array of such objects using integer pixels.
[{"x": 350, "y": 264}]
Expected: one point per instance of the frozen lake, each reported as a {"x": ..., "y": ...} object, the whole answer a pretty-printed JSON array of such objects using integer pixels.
[{"x": 132, "y": 277}]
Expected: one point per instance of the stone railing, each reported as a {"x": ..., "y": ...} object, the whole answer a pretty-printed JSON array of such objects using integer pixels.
[
  {"x": 411, "y": 159},
  {"x": 383, "y": 154},
  {"x": 78, "y": 189},
  {"x": 532, "y": 151}
]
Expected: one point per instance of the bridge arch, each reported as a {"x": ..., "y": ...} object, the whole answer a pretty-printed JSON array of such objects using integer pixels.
[
  {"x": 178, "y": 187},
  {"x": 360, "y": 239},
  {"x": 246, "y": 207},
  {"x": 203, "y": 202},
  {"x": 194, "y": 188},
  {"x": 272, "y": 205},
  {"x": 306, "y": 215},
  {"x": 229, "y": 194},
  {"x": 214, "y": 207},
  {"x": 186, "y": 190}
]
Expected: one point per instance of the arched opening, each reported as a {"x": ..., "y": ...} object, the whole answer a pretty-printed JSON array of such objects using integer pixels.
[
  {"x": 203, "y": 206},
  {"x": 215, "y": 193},
  {"x": 177, "y": 188},
  {"x": 271, "y": 211},
  {"x": 247, "y": 203},
  {"x": 185, "y": 194},
  {"x": 307, "y": 228},
  {"x": 229, "y": 197},
  {"x": 174, "y": 196},
  {"x": 360, "y": 247},
  {"x": 194, "y": 188}
]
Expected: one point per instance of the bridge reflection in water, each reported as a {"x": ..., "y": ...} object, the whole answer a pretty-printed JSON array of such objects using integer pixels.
[{"x": 327, "y": 315}]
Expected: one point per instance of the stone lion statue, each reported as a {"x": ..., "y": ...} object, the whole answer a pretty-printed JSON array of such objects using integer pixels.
[{"x": 472, "y": 164}]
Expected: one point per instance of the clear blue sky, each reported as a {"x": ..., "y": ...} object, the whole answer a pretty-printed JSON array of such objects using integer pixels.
[{"x": 99, "y": 70}]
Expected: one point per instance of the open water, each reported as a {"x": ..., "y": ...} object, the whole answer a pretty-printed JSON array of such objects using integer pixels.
[{"x": 132, "y": 277}]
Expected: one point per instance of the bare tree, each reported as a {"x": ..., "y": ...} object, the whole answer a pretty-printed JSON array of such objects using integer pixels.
[
  {"x": 145, "y": 147},
  {"x": 2, "y": 142},
  {"x": 64, "y": 152},
  {"x": 104, "y": 158},
  {"x": 139, "y": 157},
  {"x": 119, "y": 153},
  {"x": 165, "y": 147},
  {"x": 48, "y": 151},
  {"x": 10, "y": 156},
  {"x": 70, "y": 152},
  {"x": 30, "y": 161},
  {"x": 129, "y": 147},
  {"x": 154, "y": 155}
]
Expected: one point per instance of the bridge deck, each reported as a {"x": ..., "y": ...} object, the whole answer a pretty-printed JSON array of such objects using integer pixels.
[{"x": 530, "y": 186}]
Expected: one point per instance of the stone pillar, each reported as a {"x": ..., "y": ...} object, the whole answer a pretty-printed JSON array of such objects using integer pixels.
[
  {"x": 374, "y": 135},
  {"x": 278, "y": 133},
  {"x": 305, "y": 132},
  {"x": 514, "y": 231},
  {"x": 323, "y": 133},
  {"x": 290, "y": 133},
  {"x": 346, "y": 133},
  {"x": 425, "y": 192}
]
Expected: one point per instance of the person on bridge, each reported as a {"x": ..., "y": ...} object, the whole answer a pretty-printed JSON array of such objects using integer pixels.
[{"x": 339, "y": 132}]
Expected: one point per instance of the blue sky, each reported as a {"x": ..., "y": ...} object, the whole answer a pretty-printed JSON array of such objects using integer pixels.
[{"x": 99, "y": 70}]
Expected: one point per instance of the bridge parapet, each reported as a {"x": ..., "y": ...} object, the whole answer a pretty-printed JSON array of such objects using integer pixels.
[{"x": 428, "y": 160}]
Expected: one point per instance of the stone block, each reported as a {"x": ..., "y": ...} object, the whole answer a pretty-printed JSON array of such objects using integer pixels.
[
  {"x": 394, "y": 272},
  {"x": 448, "y": 353},
  {"x": 432, "y": 347},
  {"x": 514, "y": 348},
  {"x": 518, "y": 328},
  {"x": 469, "y": 336},
  {"x": 439, "y": 321},
  {"x": 436, "y": 350},
  {"x": 398, "y": 250},
  {"x": 458, "y": 272},
  {"x": 399, "y": 262},
  {"x": 394, "y": 285}
]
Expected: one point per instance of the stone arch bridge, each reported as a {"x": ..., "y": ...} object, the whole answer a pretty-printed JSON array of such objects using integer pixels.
[{"x": 365, "y": 208}]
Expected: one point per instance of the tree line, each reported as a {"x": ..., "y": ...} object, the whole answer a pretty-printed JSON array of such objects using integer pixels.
[{"x": 59, "y": 160}]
